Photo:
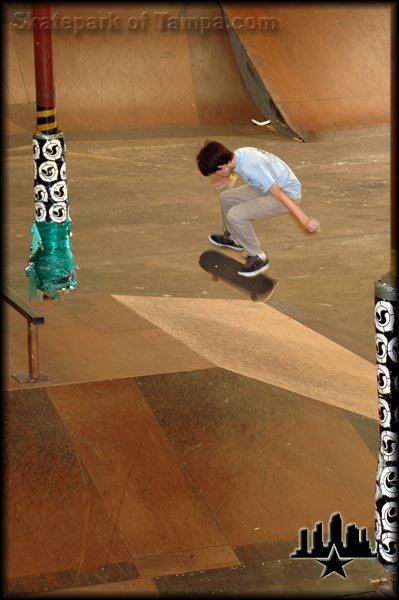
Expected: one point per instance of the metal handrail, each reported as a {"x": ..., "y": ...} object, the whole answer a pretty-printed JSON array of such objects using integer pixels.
[{"x": 33, "y": 319}]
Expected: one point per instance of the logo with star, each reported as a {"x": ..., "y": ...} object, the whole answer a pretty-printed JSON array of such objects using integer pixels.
[
  {"x": 336, "y": 552},
  {"x": 334, "y": 564}
]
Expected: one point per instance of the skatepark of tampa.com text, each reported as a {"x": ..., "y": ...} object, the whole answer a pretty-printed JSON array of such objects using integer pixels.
[{"x": 163, "y": 21}]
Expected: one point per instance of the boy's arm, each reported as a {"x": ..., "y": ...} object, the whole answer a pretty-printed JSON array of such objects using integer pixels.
[
  {"x": 227, "y": 181},
  {"x": 308, "y": 223}
]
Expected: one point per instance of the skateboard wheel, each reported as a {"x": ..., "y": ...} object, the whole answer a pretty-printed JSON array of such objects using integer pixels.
[
  {"x": 215, "y": 277},
  {"x": 254, "y": 297}
]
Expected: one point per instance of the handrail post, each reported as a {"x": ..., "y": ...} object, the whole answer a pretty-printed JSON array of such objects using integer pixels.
[
  {"x": 33, "y": 351},
  {"x": 33, "y": 319}
]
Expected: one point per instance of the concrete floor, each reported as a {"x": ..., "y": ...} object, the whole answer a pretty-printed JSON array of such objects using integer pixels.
[
  {"x": 138, "y": 347},
  {"x": 140, "y": 199}
]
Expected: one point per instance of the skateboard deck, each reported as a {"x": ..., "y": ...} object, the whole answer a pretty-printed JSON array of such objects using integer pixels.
[{"x": 224, "y": 267}]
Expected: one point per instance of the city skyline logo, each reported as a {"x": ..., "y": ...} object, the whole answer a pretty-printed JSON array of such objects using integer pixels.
[{"x": 334, "y": 554}]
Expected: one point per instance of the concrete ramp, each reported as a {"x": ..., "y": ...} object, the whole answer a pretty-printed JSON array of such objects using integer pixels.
[{"x": 311, "y": 68}]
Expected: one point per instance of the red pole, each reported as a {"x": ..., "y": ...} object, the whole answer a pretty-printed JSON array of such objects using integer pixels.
[
  {"x": 51, "y": 267},
  {"x": 44, "y": 79}
]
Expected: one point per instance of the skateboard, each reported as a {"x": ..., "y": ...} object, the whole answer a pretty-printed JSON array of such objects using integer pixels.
[{"x": 224, "y": 267}]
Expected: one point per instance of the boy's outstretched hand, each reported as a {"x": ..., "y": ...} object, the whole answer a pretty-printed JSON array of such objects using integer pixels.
[
  {"x": 309, "y": 223},
  {"x": 312, "y": 225}
]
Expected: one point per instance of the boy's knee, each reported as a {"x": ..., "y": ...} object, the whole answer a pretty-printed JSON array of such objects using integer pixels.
[
  {"x": 223, "y": 197},
  {"x": 233, "y": 215}
]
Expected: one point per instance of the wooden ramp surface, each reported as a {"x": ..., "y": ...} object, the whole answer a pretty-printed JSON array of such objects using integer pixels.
[
  {"x": 324, "y": 66},
  {"x": 114, "y": 77},
  {"x": 260, "y": 342},
  {"x": 92, "y": 338},
  {"x": 205, "y": 473},
  {"x": 233, "y": 427}
]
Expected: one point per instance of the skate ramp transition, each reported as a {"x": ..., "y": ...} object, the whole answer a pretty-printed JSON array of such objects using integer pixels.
[
  {"x": 314, "y": 67},
  {"x": 306, "y": 68},
  {"x": 147, "y": 66}
]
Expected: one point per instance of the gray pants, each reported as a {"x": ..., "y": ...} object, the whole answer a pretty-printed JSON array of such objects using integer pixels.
[{"x": 242, "y": 205}]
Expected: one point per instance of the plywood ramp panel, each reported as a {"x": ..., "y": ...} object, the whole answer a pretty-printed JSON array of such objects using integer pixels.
[
  {"x": 221, "y": 96},
  {"x": 89, "y": 339},
  {"x": 266, "y": 461},
  {"x": 119, "y": 77},
  {"x": 55, "y": 519},
  {"x": 135, "y": 469},
  {"x": 260, "y": 342},
  {"x": 15, "y": 88},
  {"x": 324, "y": 66}
]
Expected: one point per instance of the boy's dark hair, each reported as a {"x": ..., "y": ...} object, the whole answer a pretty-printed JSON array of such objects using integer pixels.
[{"x": 211, "y": 156}]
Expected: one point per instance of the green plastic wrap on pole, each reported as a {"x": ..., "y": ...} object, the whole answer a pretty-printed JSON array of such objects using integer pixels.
[
  {"x": 36, "y": 239},
  {"x": 51, "y": 265}
]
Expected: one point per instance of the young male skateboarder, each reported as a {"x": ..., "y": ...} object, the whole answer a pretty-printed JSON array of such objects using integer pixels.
[{"x": 272, "y": 189}]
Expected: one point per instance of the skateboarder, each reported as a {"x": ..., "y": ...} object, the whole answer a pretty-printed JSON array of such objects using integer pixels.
[{"x": 272, "y": 190}]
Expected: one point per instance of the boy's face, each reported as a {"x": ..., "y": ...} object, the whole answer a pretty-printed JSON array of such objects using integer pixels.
[{"x": 224, "y": 170}]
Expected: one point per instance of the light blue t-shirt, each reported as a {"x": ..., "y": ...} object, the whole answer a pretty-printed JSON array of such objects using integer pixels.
[{"x": 262, "y": 169}]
